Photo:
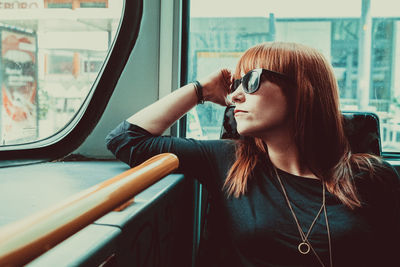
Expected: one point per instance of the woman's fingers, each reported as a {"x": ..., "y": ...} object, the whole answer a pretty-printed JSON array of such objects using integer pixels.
[
  {"x": 227, "y": 78},
  {"x": 216, "y": 86}
]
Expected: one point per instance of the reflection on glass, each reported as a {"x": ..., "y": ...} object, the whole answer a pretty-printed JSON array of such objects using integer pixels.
[
  {"x": 51, "y": 53},
  {"x": 361, "y": 43}
]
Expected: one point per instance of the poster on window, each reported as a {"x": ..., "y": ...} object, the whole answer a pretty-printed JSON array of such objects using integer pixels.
[
  {"x": 18, "y": 66},
  {"x": 21, "y": 5}
]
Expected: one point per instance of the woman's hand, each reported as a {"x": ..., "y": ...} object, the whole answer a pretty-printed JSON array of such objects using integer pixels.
[{"x": 216, "y": 87}]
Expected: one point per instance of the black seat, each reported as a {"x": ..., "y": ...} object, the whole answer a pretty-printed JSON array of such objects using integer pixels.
[{"x": 361, "y": 129}]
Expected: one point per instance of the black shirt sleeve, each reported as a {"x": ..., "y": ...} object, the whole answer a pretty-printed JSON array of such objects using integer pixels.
[{"x": 197, "y": 158}]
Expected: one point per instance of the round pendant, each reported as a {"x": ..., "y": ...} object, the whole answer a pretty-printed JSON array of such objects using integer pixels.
[{"x": 303, "y": 248}]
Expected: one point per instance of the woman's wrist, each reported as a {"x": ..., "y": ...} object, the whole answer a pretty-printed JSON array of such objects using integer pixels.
[
  {"x": 213, "y": 87},
  {"x": 199, "y": 92}
]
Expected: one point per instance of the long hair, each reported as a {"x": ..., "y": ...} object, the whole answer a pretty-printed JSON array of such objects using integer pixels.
[{"x": 317, "y": 123}]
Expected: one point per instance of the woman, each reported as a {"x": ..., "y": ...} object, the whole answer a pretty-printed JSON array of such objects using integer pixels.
[{"x": 290, "y": 192}]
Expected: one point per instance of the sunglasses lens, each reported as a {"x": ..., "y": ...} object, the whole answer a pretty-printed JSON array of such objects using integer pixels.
[
  {"x": 235, "y": 85},
  {"x": 251, "y": 81}
]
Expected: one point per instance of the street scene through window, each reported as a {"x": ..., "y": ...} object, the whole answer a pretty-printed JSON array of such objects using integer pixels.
[
  {"x": 360, "y": 38},
  {"x": 51, "y": 54}
]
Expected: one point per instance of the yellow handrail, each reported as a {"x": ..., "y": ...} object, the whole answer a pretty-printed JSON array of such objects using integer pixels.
[{"x": 25, "y": 240}]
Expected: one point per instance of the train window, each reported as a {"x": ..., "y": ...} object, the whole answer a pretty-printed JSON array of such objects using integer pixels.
[
  {"x": 360, "y": 38},
  {"x": 51, "y": 54}
]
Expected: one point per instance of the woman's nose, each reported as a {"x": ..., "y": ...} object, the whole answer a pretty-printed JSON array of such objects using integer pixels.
[{"x": 238, "y": 95}]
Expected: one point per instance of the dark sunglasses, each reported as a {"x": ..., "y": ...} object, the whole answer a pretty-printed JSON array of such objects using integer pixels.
[{"x": 251, "y": 80}]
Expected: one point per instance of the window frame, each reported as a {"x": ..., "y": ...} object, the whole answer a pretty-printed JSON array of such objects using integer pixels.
[
  {"x": 71, "y": 136},
  {"x": 179, "y": 129}
]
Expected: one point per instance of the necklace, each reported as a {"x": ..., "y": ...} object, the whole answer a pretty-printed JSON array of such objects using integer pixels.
[{"x": 305, "y": 246}]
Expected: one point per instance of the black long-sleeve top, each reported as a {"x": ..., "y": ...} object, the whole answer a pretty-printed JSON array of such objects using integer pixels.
[{"x": 258, "y": 229}]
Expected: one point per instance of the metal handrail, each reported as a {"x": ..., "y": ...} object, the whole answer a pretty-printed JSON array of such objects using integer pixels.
[{"x": 22, "y": 241}]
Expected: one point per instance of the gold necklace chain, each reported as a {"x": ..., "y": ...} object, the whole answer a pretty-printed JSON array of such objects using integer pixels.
[{"x": 305, "y": 246}]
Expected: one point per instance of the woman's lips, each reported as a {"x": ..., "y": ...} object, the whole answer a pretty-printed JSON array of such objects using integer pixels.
[{"x": 239, "y": 112}]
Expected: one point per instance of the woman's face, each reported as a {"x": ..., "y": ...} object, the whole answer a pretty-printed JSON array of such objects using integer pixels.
[{"x": 261, "y": 113}]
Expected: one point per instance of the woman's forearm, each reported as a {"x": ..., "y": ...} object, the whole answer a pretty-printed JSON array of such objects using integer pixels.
[{"x": 159, "y": 116}]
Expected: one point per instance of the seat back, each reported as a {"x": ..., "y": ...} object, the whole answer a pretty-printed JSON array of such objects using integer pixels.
[{"x": 361, "y": 129}]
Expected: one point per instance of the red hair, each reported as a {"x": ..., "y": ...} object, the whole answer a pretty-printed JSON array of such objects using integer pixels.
[{"x": 316, "y": 120}]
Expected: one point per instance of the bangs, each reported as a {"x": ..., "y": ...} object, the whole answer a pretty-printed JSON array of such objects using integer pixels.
[{"x": 270, "y": 56}]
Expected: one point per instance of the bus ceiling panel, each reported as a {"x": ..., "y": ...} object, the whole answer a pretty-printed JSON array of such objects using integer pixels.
[{"x": 71, "y": 136}]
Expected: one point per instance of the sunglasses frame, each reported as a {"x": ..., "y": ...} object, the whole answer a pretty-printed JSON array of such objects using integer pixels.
[{"x": 236, "y": 83}]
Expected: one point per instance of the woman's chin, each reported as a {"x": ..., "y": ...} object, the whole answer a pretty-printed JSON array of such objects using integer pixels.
[
  {"x": 251, "y": 131},
  {"x": 243, "y": 131}
]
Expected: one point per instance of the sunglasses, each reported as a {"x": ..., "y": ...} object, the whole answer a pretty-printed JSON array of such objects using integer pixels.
[{"x": 251, "y": 80}]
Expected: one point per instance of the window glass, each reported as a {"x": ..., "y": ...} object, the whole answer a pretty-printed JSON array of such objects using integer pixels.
[
  {"x": 363, "y": 45},
  {"x": 50, "y": 58}
]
